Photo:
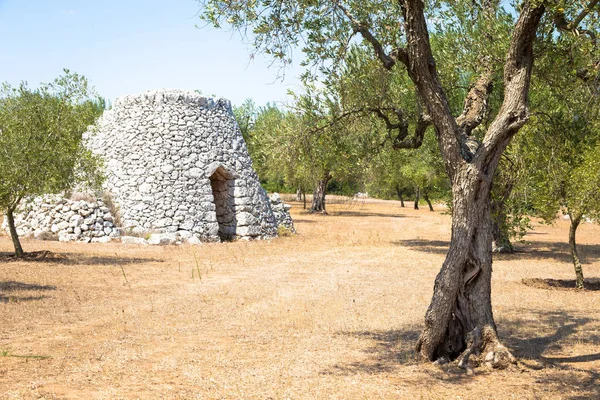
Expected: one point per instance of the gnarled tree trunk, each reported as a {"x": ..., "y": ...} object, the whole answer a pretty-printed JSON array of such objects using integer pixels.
[
  {"x": 318, "y": 202},
  {"x": 426, "y": 197},
  {"x": 575, "y": 221},
  {"x": 400, "y": 193},
  {"x": 459, "y": 321},
  {"x": 13, "y": 233},
  {"x": 417, "y": 197},
  {"x": 501, "y": 241}
]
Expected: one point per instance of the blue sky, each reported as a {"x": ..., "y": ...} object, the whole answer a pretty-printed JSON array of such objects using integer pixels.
[{"x": 129, "y": 46}]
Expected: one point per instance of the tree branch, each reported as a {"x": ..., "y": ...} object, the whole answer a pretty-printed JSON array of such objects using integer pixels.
[
  {"x": 422, "y": 71},
  {"x": 560, "y": 20},
  {"x": 416, "y": 140},
  {"x": 402, "y": 140},
  {"x": 514, "y": 110},
  {"x": 388, "y": 60},
  {"x": 475, "y": 105}
]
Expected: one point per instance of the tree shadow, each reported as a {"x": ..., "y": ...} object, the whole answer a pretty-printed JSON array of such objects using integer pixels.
[
  {"x": 8, "y": 289},
  {"x": 548, "y": 332},
  {"x": 529, "y": 337},
  {"x": 558, "y": 251},
  {"x": 386, "y": 351},
  {"x": 47, "y": 256},
  {"x": 425, "y": 245},
  {"x": 35, "y": 256},
  {"x": 534, "y": 251},
  {"x": 80, "y": 259},
  {"x": 523, "y": 335},
  {"x": 366, "y": 214},
  {"x": 590, "y": 284}
]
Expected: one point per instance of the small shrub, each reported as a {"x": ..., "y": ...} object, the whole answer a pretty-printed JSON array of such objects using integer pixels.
[
  {"x": 130, "y": 232},
  {"x": 78, "y": 196},
  {"x": 47, "y": 236},
  {"x": 283, "y": 231},
  {"x": 113, "y": 208}
]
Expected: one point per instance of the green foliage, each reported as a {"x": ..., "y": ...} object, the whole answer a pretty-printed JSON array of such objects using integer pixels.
[
  {"x": 245, "y": 116},
  {"x": 408, "y": 171},
  {"x": 563, "y": 136},
  {"x": 41, "y": 150}
]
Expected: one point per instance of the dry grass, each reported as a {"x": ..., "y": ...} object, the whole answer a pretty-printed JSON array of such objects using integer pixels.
[{"x": 331, "y": 313}]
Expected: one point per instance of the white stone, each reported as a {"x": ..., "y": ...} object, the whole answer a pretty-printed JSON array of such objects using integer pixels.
[
  {"x": 245, "y": 219},
  {"x": 133, "y": 240},
  {"x": 166, "y": 168},
  {"x": 194, "y": 240},
  {"x": 184, "y": 235},
  {"x": 145, "y": 188},
  {"x": 101, "y": 239},
  {"x": 163, "y": 222},
  {"x": 195, "y": 173},
  {"x": 76, "y": 220},
  {"x": 162, "y": 238}
]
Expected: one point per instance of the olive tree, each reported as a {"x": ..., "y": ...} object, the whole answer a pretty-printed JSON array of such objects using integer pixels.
[
  {"x": 41, "y": 150},
  {"x": 459, "y": 322}
]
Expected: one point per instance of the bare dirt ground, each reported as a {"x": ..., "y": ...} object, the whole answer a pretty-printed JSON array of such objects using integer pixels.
[{"x": 331, "y": 313}]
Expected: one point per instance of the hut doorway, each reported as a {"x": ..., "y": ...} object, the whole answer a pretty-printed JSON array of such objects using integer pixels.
[{"x": 220, "y": 182}]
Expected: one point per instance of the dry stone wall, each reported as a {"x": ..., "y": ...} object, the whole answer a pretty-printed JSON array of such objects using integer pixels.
[
  {"x": 177, "y": 170},
  {"x": 176, "y": 162},
  {"x": 281, "y": 211},
  {"x": 53, "y": 217}
]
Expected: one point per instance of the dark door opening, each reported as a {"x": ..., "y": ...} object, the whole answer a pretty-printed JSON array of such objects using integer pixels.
[{"x": 220, "y": 182}]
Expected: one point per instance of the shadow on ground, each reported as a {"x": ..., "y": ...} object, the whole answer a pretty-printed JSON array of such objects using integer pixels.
[
  {"x": 537, "y": 250},
  {"x": 591, "y": 284},
  {"x": 75, "y": 259},
  {"x": 537, "y": 339},
  {"x": 385, "y": 352},
  {"x": 424, "y": 245},
  {"x": 303, "y": 221},
  {"x": 365, "y": 214},
  {"x": 8, "y": 289}
]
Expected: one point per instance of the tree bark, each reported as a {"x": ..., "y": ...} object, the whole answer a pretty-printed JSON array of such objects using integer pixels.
[
  {"x": 13, "y": 233},
  {"x": 299, "y": 195},
  {"x": 400, "y": 195},
  {"x": 318, "y": 202},
  {"x": 426, "y": 197},
  {"x": 459, "y": 322},
  {"x": 501, "y": 240},
  {"x": 417, "y": 197},
  {"x": 575, "y": 221}
]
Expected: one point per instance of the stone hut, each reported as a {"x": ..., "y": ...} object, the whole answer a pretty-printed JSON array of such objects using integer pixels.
[{"x": 176, "y": 162}]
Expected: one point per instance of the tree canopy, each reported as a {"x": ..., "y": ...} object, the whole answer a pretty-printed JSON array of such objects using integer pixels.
[
  {"x": 40, "y": 141},
  {"x": 453, "y": 83}
]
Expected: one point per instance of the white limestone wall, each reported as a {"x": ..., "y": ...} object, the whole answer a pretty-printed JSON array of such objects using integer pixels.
[{"x": 167, "y": 154}]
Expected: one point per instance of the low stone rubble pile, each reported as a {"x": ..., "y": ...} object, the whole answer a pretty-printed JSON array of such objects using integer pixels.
[
  {"x": 282, "y": 212},
  {"x": 53, "y": 217},
  {"x": 67, "y": 220}
]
